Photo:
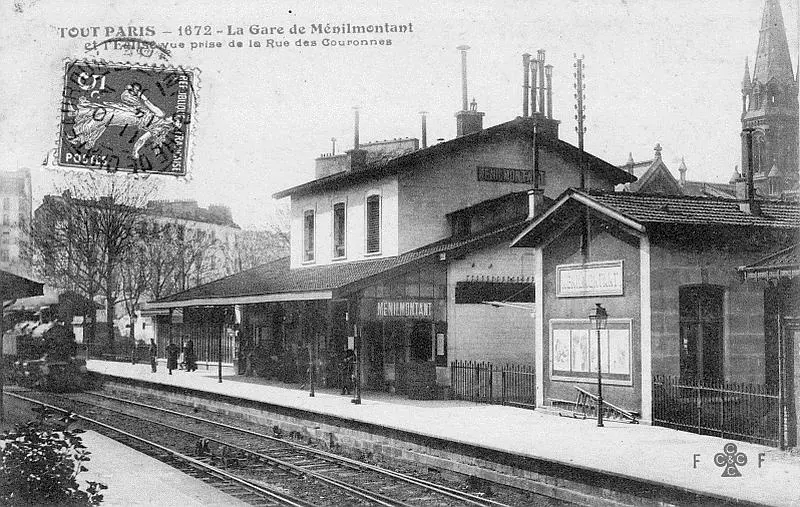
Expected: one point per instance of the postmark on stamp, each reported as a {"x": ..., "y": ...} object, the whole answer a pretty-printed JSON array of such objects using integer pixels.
[{"x": 124, "y": 117}]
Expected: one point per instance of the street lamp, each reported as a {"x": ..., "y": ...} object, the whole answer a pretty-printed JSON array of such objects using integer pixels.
[{"x": 598, "y": 319}]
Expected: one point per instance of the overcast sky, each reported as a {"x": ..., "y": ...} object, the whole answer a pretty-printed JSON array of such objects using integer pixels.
[{"x": 666, "y": 71}]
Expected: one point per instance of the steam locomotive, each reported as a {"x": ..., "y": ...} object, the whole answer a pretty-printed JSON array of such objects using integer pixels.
[{"x": 44, "y": 357}]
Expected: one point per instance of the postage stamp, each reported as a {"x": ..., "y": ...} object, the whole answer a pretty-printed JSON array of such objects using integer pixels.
[{"x": 124, "y": 117}]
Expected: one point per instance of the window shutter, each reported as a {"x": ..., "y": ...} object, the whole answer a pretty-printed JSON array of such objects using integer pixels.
[{"x": 373, "y": 224}]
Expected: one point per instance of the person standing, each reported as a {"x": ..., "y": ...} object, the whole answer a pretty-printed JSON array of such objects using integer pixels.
[
  {"x": 346, "y": 369},
  {"x": 172, "y": 357},
  {"x": 153, "y": 354},
  {"x": 189, "y": 356}
]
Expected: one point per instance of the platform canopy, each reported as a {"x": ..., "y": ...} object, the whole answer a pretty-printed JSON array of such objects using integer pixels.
[
  {"x": 14, "y": 286},
  {"x": 781, "y": 264}
]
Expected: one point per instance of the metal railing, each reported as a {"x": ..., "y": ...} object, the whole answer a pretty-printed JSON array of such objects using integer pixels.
[
  {"x": 475, "y": 381},
  {"x": 748, "y": 412}
]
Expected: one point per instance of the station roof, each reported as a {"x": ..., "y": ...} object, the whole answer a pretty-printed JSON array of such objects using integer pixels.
[
  {"x": 275, "y": 281},
  {"x": 637, "y": 211},
  {"x": 510, "y": 129},
  {"x": 781, "y": 264}
]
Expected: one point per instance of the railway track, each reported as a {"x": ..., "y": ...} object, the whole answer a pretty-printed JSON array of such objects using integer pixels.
[
  {"x": 246, "y": 491},
  {"x": 258, "y": 458}
]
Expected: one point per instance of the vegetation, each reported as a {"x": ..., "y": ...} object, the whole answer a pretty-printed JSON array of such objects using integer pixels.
[{"x": 40, "y": 462}]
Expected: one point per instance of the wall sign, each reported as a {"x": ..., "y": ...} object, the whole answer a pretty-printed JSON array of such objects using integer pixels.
[
  {"x": 410, "y": 309},
  {"x": 590, "y": 279},
  {"x": 505, "y": 175}
]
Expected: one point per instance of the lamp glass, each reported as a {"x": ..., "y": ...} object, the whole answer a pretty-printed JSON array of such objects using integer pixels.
[{"x": 598, "y": 317}]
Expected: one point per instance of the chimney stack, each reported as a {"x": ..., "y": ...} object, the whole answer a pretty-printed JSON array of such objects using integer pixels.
[
  {"x": 540, "y": 58},
  {"x": 534, "y": 68},
  {"x": 750, "y": 206},
  {"x": 468, "y": 120},
  {"x": 333, "y": 146},
  {"x": 526, "y": 63},
  {"x": 548, "y": 73},
  {"x": 356, "y": 144},
  {"x": 535, "y": 202},
  {"x": 424, "y": 129},
  {"x": 464, "y": 94}
]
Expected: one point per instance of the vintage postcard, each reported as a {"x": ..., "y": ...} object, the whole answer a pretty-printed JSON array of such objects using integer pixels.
[{"x": 400, "y": 253}]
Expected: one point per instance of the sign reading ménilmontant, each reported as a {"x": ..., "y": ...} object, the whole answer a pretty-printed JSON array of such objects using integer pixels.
[{"x": 203, "y": 36}]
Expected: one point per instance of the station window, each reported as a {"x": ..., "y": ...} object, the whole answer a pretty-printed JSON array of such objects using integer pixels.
[
  {"x": 373, "y": 224},
  {"x": 701, "y": 320},
  {"x": 308, "y": 236},
  {"x": 339, "y": 230}
]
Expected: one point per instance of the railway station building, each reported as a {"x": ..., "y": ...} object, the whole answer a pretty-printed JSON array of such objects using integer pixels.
[{"x": 400, "y": 250}]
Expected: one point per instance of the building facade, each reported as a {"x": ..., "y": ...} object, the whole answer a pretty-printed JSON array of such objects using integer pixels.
[
  {"x": 399, "y": 250},
  {"x": 15, "y": 218}
]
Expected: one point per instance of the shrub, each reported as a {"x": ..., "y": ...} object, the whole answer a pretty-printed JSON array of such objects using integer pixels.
[{"x": 39, "y": 464}]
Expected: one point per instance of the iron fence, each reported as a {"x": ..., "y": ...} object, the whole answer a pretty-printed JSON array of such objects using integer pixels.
[
  {"x": 483, "y": 382},
  {"x": 748, "y": 412}
]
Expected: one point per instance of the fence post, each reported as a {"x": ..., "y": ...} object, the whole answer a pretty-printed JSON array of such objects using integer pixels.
[
  {"x": 491, "y": 383},
  {"x": 503, "y": 380}
]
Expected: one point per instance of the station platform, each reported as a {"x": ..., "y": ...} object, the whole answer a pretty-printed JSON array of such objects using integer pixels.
[
  {"x": 136, "y": 479},
  {"x": 648, "y": 453}
]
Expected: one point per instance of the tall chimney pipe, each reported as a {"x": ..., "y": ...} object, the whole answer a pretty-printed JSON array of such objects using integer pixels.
[
  {"x": 526, "y": 63},
  {"x": 356, "y": 144},
  {"x": 548, "y": 72},
  {"x": 333, "y": 146},
  {"x": 464, "y": 99},
  {"x": 424, "y": 129},
  {"x": 750, "y": 189},
  {"x": 540, "y": 55},
  {"x": 534, "y": 68}
]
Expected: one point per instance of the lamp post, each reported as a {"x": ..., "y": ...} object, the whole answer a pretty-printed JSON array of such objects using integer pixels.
[{"x": 598, "y": 319}]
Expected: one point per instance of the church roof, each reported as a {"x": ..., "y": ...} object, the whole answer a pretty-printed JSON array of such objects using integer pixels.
[{"x": 773, "y": 60}]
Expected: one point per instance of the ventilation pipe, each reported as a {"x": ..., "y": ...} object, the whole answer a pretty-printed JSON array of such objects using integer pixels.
[
  {"x": 548, "y": 73},
  {"x": 526, "y": 63},
  {"x": 356, "y": 144},
  {"x": 534, "y": 68},
  {"x": 540, "y": 58},
  {"x": 424, "y": 129},
  {"x": 464, "y": 94}
]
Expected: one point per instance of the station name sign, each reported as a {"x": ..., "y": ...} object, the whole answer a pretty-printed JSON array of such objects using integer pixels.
[
  {"x": 410, "y": 309},
  {"x": 590, "y": 279},
  {"x": 505, "y": 175}
]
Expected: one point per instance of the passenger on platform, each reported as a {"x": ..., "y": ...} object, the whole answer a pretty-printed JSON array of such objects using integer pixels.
[
  {"x": 153, "y": 354},
  {"x": 189, "y": 356},
  {"x": 346, "y": 369},
  {"x": 172, "y": 357}
]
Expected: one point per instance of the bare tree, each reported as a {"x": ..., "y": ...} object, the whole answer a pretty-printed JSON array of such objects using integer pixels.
[
  {"x": 81, "y": 235},
  {"x": 258, "y": 246}
]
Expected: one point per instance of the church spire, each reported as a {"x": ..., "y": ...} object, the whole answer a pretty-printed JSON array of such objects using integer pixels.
[
  {"x": 746, "y": 83},
  {"x": 772, "y": 58}
]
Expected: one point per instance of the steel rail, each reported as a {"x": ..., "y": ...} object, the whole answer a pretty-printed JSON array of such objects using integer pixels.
[
  {"x": 443, "y": 490},
  {"x": 358, "y": 491},
  {"x": 283, "y": 498}
]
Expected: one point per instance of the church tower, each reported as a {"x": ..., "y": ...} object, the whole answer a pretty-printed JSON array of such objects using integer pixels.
[{"x": 770, "y": 105}]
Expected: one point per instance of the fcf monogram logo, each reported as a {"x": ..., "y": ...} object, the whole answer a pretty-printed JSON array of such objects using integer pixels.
[{"x": 731, "y": 460}]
